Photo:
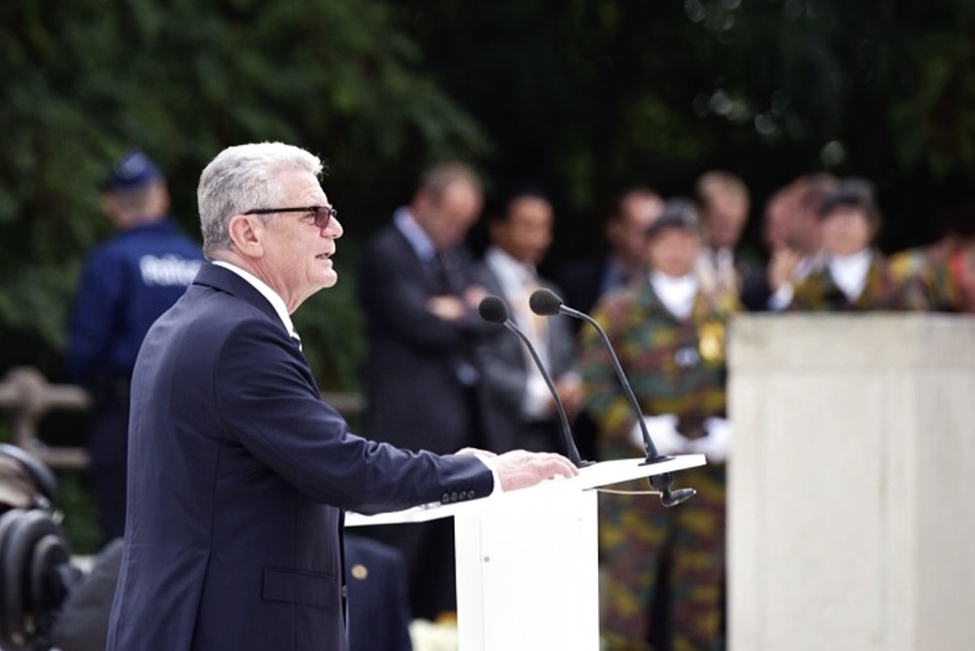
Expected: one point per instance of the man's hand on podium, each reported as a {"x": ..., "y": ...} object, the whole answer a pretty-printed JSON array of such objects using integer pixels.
[{"x": 521, "y": 469}]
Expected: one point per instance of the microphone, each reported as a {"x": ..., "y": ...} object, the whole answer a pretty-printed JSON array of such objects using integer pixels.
[
  {"x": 545, "y": 302},
  {"x": 493, "y": 310}
]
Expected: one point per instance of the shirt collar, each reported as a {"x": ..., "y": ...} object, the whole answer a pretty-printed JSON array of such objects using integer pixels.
[
  {"x": 505, "y": 265},
  {"x": 418, "y": 239},
  {"x": 849, "y": 272},
  {"x": 272, "y": 297},
  {"x": 677, "y": 294}
]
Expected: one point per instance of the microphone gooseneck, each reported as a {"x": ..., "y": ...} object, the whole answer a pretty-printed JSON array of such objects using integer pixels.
[
  {"x": 493, "y": 310},
  {"x": 545, "y": 302}
]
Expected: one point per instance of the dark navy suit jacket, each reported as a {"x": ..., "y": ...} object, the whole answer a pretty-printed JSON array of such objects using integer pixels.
[{"x": 238, "y": 477}]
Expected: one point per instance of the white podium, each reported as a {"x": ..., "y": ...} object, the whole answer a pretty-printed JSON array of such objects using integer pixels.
[{"x": 527, "y": 566}]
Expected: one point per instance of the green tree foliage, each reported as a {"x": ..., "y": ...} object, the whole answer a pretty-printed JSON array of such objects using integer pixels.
[
  {"x": 83, "y": 80},
  {"x": 581, "y": 96},
  {"x": 588, "y": 97}
]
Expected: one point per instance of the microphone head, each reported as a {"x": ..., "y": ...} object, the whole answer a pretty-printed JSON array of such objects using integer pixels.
[
  {"x": 544, "y": 302},
  {"x": 493, "y": 309}
]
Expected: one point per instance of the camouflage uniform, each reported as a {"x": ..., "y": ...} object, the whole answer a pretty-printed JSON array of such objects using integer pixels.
[
  {"x": 883, "y": 291},
  {"x": 675, "y": 367},
  {"x": 938, "y": 271}
]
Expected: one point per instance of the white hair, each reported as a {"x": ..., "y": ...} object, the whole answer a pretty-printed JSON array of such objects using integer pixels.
[{"x": 242, "y": 178}]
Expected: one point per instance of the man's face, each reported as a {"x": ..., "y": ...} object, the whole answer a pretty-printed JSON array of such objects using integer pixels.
[
  {"x": 775, "y": 228},
  {"x": 805, "y": 230},
  {"x": 846, "y": 230},
  {"x": 447, "y": 218},
  {"x": 627, "y": 233},
  {"x": 724, "y": 218},
  {"x": 526, "y": 233},
  {"x": 297, "y": 260},
  {"x": 673, "y": 251}
]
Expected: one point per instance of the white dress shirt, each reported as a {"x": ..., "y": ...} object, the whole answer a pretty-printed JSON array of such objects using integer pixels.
[
  {"x": 677, "y": 294},
  {"x": 518, "y": 280},
  {"x": 849, "y": 272}
]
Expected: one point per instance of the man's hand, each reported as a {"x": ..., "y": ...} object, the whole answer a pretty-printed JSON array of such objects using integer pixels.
[
  {"x": 782, "y": 265},
  {"x": 569, "y": 388},
  {"x": 521, "y": 469},
  {"x": 446, "y": 307}
]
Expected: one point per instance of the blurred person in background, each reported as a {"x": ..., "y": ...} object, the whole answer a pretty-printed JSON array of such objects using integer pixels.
[
  {"x": 419, "y": 296},
  {"x": 126, "y": 283},
  {"x": 519, "y": 409},
  {"x": 584, "y": 281},
  {"x": 723, "y": 202},
  {"x": 792, "y": 234},
  {"x": 669, "y": 334},
  {"x": 855, "y": 276},
  {"x": 945, "y": 268}
]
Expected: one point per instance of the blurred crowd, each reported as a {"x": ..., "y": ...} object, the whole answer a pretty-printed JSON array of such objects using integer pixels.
[
  {"x": 671, "y": 280},
  {"x": 439, "y": 377}
]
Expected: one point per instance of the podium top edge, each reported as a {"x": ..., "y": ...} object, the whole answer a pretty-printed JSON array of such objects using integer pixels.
[{"x": 591, "y": 477}]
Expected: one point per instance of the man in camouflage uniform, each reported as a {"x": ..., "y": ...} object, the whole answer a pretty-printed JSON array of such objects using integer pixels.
[
  {"x": 944, "y": 269},
  {"x": 669, "y": 336}
]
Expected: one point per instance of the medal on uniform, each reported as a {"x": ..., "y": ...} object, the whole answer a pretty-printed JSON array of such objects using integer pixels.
[{"x": 710, "y": 344}]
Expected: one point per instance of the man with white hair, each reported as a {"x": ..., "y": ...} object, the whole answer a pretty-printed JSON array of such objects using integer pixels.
[{"x": 240, "y": 473}]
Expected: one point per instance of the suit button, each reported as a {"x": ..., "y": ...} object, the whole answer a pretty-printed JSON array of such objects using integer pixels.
[
  {"x": 444, "y": 498},
  {"x": 453, "y": 496}
]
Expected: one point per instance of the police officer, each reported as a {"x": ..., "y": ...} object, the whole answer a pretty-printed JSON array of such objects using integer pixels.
[{"x": 126, "y": 283}]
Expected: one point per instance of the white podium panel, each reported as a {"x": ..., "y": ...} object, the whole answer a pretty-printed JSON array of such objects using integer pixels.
[
  {"x": 527, "y": 562},
  {"x": 529, "y": 580}
]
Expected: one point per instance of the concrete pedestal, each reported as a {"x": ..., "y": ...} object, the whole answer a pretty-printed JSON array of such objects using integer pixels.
[{"x": 852, "y": 485}]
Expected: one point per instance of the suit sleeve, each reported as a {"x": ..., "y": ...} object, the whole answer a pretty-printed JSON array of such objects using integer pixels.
[
  {"x": 268, "y": 402},
  {"x": 393, "y": 291}
]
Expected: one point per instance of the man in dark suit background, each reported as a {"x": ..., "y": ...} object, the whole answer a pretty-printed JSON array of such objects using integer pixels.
[
  {"x": 520, "y": 411},
  {"x": 419, "y": 298},
  {"x": 239, "y": 473}
]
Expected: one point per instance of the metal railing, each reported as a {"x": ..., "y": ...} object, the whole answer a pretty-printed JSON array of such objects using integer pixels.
[{"x": 27, "y": 396}]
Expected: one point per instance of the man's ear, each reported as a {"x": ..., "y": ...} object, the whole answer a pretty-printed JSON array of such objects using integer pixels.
[{"x": 246, "y": 233}]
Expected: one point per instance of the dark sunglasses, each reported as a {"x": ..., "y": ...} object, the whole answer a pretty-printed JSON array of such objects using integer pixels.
[{"x": 323, "y": 214}]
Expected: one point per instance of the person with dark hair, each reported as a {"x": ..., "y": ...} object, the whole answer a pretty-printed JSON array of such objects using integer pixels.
[
  {"x": 669, "y": 334},
  {"x": 419, "y": 297},
  {"x": 126, "y": 283},
  {"x": 855, "y": 275},
  {"x": 585, "y": 280},
  {"x": 519, "y": 409}
]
